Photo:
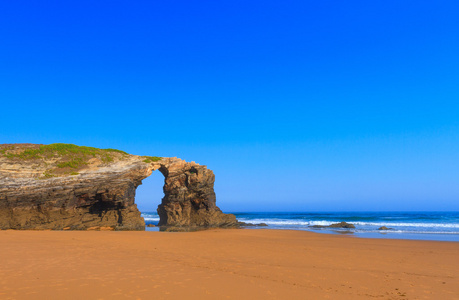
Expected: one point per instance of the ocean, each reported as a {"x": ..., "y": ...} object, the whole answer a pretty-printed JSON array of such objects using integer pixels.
[{"x": 439, "y": 226}]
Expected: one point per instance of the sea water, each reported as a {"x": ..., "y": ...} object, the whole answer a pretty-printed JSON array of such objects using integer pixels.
[{"x": 442, "y": 226}]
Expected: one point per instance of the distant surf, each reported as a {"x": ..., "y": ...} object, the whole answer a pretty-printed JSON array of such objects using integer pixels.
[{"x": 442, "y": 226}]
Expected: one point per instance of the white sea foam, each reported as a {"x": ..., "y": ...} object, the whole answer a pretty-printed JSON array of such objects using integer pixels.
[
  {"x": 407, "y": 231},
  {"x": 290, "y": 222},
  {"x": 411, "y": 224},
  {"x": 150, "y": 217},
  {"x": 275, "y": 221}
]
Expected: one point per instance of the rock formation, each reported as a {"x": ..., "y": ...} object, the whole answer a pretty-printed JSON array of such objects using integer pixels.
[
  {"x": 189, "y": 197},
  {"x": 63, "y": 186},
  {"x": 334, "y": 225},
  {"x": 341, "y": 225},
  {"x": 384, "y": 228}
]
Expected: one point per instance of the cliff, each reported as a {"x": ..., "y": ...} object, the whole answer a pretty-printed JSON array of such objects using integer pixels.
[{"x": 63, "y": 186}]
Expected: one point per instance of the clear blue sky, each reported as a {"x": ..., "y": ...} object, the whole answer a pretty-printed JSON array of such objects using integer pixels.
[{"x": 295, "y": 105}]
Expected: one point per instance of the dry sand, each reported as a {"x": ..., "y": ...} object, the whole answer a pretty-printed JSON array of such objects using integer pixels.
[{"x": 223, "y": 264}]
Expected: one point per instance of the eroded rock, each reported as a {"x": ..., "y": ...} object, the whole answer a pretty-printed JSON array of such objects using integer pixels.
[
  {"x": 384, "y": 228},
  {"x": 342, "y": 225},
  {"x": 244, "y": 224},
  {"x": 335, "y": 225},
  {"x": 189, "y": 197},
  {"x": 43, "y": 192}
]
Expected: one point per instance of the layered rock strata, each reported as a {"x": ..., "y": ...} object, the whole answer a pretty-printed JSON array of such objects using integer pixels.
[{"x": 102, "y": 194}]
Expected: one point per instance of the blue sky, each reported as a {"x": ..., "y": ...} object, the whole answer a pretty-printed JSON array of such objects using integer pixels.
[{"x": 295, "y": 105}]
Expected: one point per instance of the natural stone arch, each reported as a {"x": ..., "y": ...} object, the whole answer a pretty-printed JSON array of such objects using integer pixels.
[{"x": 103, "y": 196}]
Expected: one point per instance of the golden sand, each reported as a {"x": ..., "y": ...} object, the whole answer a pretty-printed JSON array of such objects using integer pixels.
[{"x": 223, "y": 264}]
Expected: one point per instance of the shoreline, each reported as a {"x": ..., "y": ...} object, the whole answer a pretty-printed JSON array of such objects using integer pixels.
[
  {"x": 223, "y": 263},
  {"x": 426, "y": 225},
  {"x": 438, "y": 237}
]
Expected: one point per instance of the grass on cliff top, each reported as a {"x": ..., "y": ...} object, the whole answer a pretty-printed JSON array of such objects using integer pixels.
[
  {"x": 149, "y": 159},
  {"x": 64, "y": 159},
  {"x": 48, "y": 151},
  {"x": 69, "y": 155}
]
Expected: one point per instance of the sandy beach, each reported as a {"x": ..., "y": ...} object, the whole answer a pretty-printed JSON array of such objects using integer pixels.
[{"x": 223, "y": 264}]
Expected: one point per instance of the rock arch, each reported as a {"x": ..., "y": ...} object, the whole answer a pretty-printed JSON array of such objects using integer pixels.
[{"x": 103, "y": 196}]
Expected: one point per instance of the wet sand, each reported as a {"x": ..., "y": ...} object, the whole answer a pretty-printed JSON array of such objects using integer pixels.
[{"x": 223, "y": 264}]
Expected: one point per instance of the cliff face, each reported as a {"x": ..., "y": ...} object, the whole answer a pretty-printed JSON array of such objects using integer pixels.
[
  {"x": 189, "y": 197},
  {"x": 45, "y": 188}
]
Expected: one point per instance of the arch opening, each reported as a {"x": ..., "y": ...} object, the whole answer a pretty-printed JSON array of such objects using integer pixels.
[
  {"x": 148, "y": 197},
  {"x": 188, "y": 201}
]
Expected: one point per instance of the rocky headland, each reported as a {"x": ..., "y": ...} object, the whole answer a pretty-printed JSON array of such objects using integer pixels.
[{"x": 69, "y": 187}]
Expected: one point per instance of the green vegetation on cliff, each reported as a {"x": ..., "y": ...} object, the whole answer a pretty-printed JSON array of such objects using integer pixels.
[
  {"x": 64, "y": 159},
  {"x": 149, "y": 159},
  {"x": 47, "y": 151},
  {"x": 69, "y": 155}
]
